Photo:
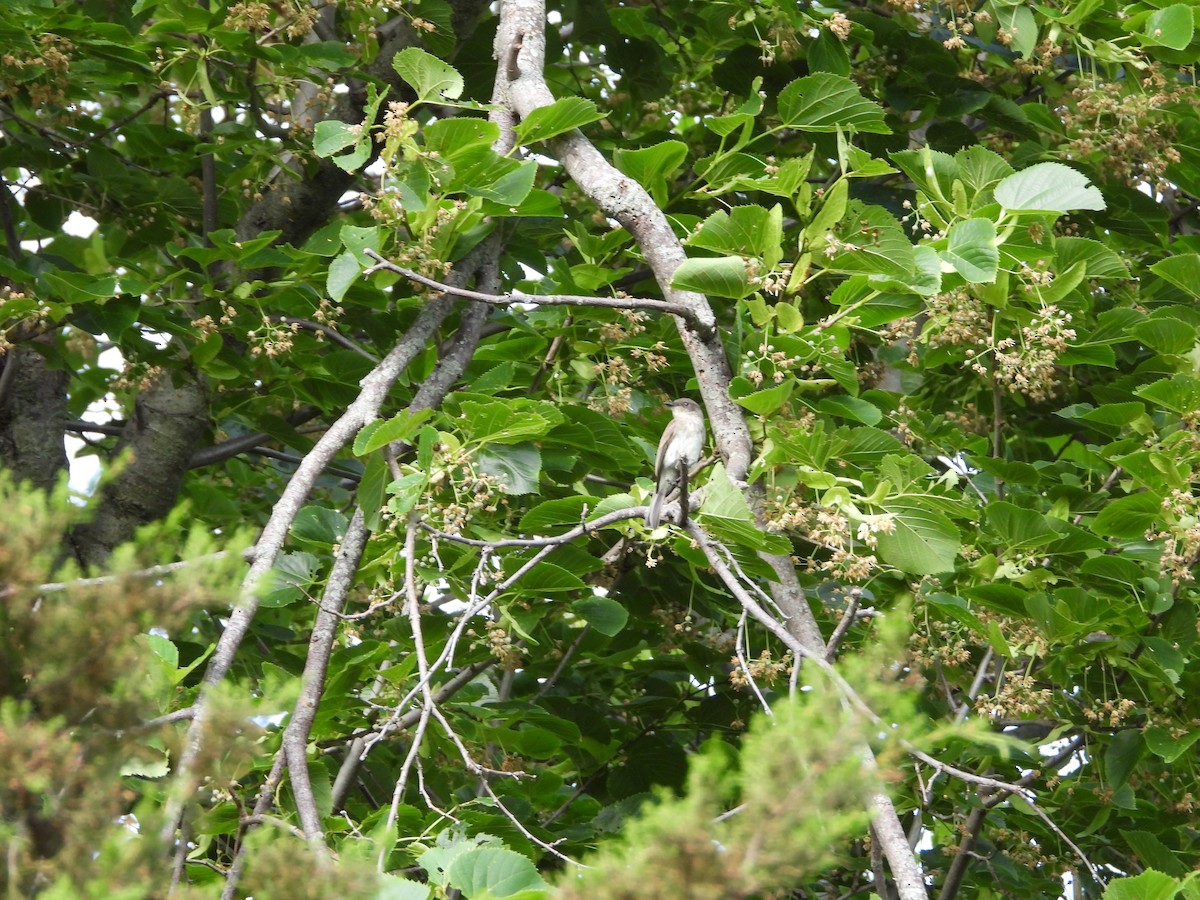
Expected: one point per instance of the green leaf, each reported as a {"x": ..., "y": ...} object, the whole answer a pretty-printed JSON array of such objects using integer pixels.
[
  {"x": 565, "y": 511},
  {"x": 507, "y": 421},
  {"x": 727, "y": 514},
  {"x": 1163, "y": 743},
  {"x": 490, "y": 873},
  {"x": 1180, "y": 394},
  {"x": 537, "y": 204},
  {"x": 956, "y": 608},
  {"x": 319, "y": 525},
  {"x": 401, "y": 427},
  {"x": 651, "y": 166},
  {"x": 462, "y": 138},
  {"x": 868, "y": 446},
  {"x": 727, "y": 125},
  {"x": 1018, "y": 21},
  {"x": 1171, "y": 27},
  {"x": 46, "y": 208},
  {"x": 605, "y": 615},
  {"x": 1088, "y": 355},
  {"x": 932, "y": 171},
  {"x": 287, "y": 580},
  {"x": 112, "y": 317},
  {"x": 343, "y": 272},
  {"x": 496, "y": 379},
  {"x": 833, "y": 207},
  {"x": 405, "y": 493},
  {"x": 1150, "y": 885},
  {"x": 372, "y": 490},
  {"x": 205, "y": 351},
  {"x": 925, "y": 280},
  {"x": 331, "y": 136},
  {"x": 1128, "y": 517},
  {"x": 1153, "y": 853},
  {"x": 981, "y": 168},
  {"x": 923, "y": 542},
  {"x": 1121, "y": 755},
  {"x": 517, "y": 467},
  {"x": 561, "y": 116},
  {"x": 1112, "y": 573},
  {"x": 328, "y": 55},
  {"x": 1102, "y": 261},
  {"x": 726, "y": 276},
  {"x": 875, "y": 244},
  {"x": 1016, "y": 527},
  {"x": 1115, "y": 415},
  {"x": 828, "y": 54},
  {"x": 596, "y": 435},
  {"x": 744, "y": 231},
  {"x": 766, "y": 402},
  {"x": 1048, "y": 187},
  {"x": 788, "y": 317},
  {"x": 511, "y": 188},
  {"x": 358, "y": 240},
  {"x": 889, "y": 307},
  {"x": 853, "y": 408},
  {"x": 1183, "y": 271},
  {"x": 79, "y": 287},
  {"x": 432, "y": 79},
  {"x": 1065, "y": 281},
  {"x": 826, "y": 102},
  {"x": 547, "y": 578},
  {"x": 1168, "y": 658},
  {"x": 971, "y": 250},
  {"x": 1165, "y": 334}
]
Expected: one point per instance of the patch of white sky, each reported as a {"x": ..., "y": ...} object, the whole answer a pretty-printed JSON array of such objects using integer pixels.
[{"x": 85, "y": 469}]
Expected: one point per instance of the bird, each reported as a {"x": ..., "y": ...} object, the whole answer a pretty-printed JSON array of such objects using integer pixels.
[{"x": 680, "y": 448}]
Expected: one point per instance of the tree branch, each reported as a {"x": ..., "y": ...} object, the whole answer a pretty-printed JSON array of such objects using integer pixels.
[
  {"x": 677, "y": 309},
  {"x": 522, "y": 26},
  {"x": 169, "y": 421},
  {"x": 294, "y": 743},
  {"x": 364, "y": 409},
  {"x": 909, "y": 880}
]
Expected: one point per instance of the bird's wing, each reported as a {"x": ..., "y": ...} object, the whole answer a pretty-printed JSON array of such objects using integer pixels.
[{"x": 668, "y": 433}]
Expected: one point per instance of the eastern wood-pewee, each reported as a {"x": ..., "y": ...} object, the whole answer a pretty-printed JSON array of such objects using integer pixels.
[{"x": 679, "y": 450}]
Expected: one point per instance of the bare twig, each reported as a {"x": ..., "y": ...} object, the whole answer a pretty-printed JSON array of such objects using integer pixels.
[
  {"x": 179, "y": 715},
  {"x": 451, "y": 642},
  {"x": 549, "y": 683},
  {"x": 125, "y": 120},
  {"x": 151, "y": 572},
  {"x": 264, "y": 819},
  {"x": 356, "y": 752},
  {"x": 548, "y": 359},
  {"x": 1063, "y": 837},
  {"x": 663, "y": 306},
  {"x": 294, "y": 741},
  {"x": 975, "y": 819},
  {"x": 412, "y": 605},
  {"x": 848, "y": 617},
  {"x": 549, "y": 848},
  {"x": 632, "y": 512},
  {"x": 332, "y": 333},
  {"x": 740, "y": 650}
]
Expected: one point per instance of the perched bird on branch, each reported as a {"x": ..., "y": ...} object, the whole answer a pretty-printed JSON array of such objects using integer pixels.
[{"x": 679, "y": 450}]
